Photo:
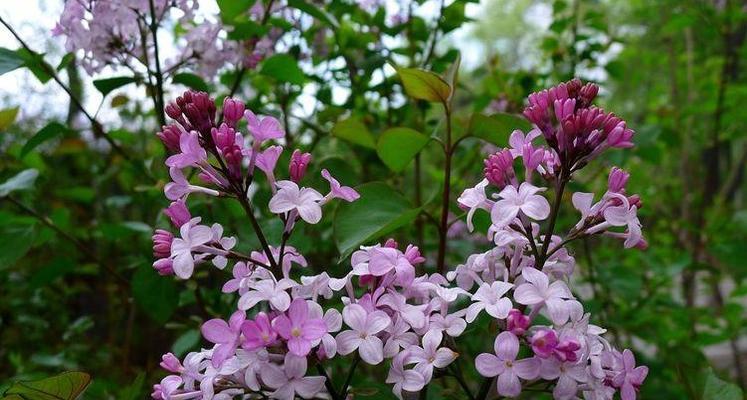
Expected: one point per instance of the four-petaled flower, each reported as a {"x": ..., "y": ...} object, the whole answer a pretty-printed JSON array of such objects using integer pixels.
[
  {"x": 362, "y": 336},
  {"x": 430, "y": 356},
  {"x": 504, "y": 365},
  {"x": 224, "y": 335},
  {"x": 298, "y": 328},
  {"x": 291, "y": 380},
  {"x": 305, "y": 201},
  {"x": 258, "y": 333},
  {"x": 524, "y": 200},
  {"x": 537, "y": 291},
  {"x": 489, "y": 297}
]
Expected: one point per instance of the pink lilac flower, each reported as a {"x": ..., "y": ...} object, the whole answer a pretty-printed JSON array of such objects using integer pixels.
[
  {"x": 258, "y": 332},
  {"x": 298, "y": 328},
  {"x": 170, "y": 135},
  {"x": 162, "y": 243},
  {"x": 499, "y": 169},
  {"x": 517, "y": 323},
  {"x": 291, "y": 379},
  {"x": 233, "y": 110},
  {"x": 625, "y": 215},
  {"x": 517, "y": 141},
  {"x": 224, "y": 335},
  {"x": 385, "y": 259},
  {"x": 337, "y": 191},
  {"x": 167, "y": 388},
  {"x": 408, "y": 380},
  {"x": 178, "y": 213},
  {"x": 431, "y": 355},
  {"x": 290, "y": 197},
  {"x": 299, "y": 162},
  {"x": 474, "y": 199},
  {"x": 399, "y": 337},
  {"x": 263, "y": 128},
  {"x": 568, "y": 375},
  {"x": 170, "y": 363},
  {"x": 267, "y": 160},
  {"x": 191, "y": 153},
  {"x": 617, "y": 180},
  {"x": 180, "y": 187},
  {"x": 192, "y": 236},
  {"x": 333, "y": 321},
  {"x": 537, "y": 291},
  {"x": 505, "y": 366},
  {"x": 524, "y": 200},
  {"x": 267, "y": 290},
  {"x": 623, "y": 373},
  {"x": 489, "y": 297},
  {"x": 452, "y": 324},
  {"x": 362, "y": 335}
]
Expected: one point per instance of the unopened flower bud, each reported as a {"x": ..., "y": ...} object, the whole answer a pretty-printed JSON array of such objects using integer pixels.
[
  {"x": 162, "y": 243},
  {"x": 233, "y": 111},
  {"x": 391, "y": 243},
  {"x": 223, "y": 137},
  {"x": 544, "y": 342},
  {"x": 299, "y": 162},
  {"x": 617, "y": 180},
  {"x": 517, "y": 323},
  {"x": 499, "y": 168},
  {"x": 170, "y": 363},
  {"x": 164, "y": 266},
  {"x": 178, "y": 213},
  {"x": 170, "y": 135}
]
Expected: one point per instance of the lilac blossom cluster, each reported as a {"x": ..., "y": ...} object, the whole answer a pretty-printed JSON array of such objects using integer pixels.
[
  {"x": 120, "y": 34},
  {"x": 286, "y": 321}
]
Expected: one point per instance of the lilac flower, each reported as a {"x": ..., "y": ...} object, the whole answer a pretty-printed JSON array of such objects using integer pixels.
[
  {"x": 192, "y": 236},
  {"x": 452, "y": 324},
  {"x": 178, "y": 213},
  {"x": 291, "y": 380},
  {"x": 290, "y": 197},
  {"x": 333, "y": 321},
  {"x": 170, "y": 363},
  {"x": 162, "y": 243},
  {"x": 625, "y": 215},
  {"x": 337, "y": 191},
  {"x": 167, "y": 388},
  {"x": 170, "y": 136},
  {"x": 270, "y": 291},
  {"x": 430, "y": 356},
  {"x": 385, "y": 259},
  {"x": 267, "y": 160},
  {"x": 362, "y": 336},
  {"x": 399, "y": 337},
  {"x": 408, "y": 380},
  {"x": 258, "y": 332},
  {"x": 505, "y": 366},
  {"x": 623, "y": 373},
  {"x": 299, "y": 162},
  {"x": 489, "y": 297},
  {"x": 298, "y": 329},
  {"x": 180, "y": 187},
  {"x": 524, "y": 200},
  {"x": 517, "y": 141},
  {"x": 568, "y": 374},
  {"x": 517, "y": 323},
  {"x": 537, "y": 291},
  {"x": 233, "y": 110},
  {"x": 263, "y": 128},
  {"x": 224, "y": 335},
  {"x": 473, "y": 199},
  {"x": 499, "y": 169},
  {"x": 191, "y": 153},
  {"x": 617, "y": 180}
]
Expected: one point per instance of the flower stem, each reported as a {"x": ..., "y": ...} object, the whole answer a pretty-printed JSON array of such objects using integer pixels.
[
  {"x": 344, "y": 391},
  {"x": 159, "y": 75},
  {"x": 562, "y": 180},
  {"x": 443, "y": 227}
]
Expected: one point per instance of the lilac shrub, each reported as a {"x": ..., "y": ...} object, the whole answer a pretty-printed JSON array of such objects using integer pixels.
[{"x": 286, "y": 325}]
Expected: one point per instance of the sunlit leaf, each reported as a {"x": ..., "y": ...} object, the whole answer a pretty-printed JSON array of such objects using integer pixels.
[
  {"x": 354, "y": 131},
  {"x": 398, "y": 146},
  {"x": 315, "y": 11},
  {"x": 9, "y": 60},
  {"x": 65, "y": 386},
  {"x": 21, "y": 181},
  {"x": 8, "y": 117},
  {"x": 191, "y": 81},
  {"x": 424, "y": 85}
]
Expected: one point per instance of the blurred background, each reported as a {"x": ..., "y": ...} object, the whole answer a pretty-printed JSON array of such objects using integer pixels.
[{"x": 77, "y": 291}]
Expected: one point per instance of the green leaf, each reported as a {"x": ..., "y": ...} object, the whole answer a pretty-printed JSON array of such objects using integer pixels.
[
  {"x": 186, "y": 342},
  {"x": 15, "y": 242},
  {"x": 191, "y": 81},
  {"x": 106, "y": 86},
  {"x": 50, "y": 131},
  {"x": 284, "y": 68},
  {"x": 379, "y": 211},
  {"x": 245, "y": 30},
  {"x": 354, "y": 131},
  {"x": 9, "y": 60},
  {"x": 21, "y": 181},
  {"x": 157, "y": 295},
  {"x": 134, "y": 390},
  {"x": 8, "y": 117},
  {"x": 315, "y": 11},
  {"x": 496, "y": 128},
  {"x": 424, "y": 85},
  {"x": 717, "y": 389},
  {"x": 65, "y": 61},
  {"x": 36, "y": 64},
  {"x": 65, "y": 386},
  {"x": 398, "y": 146},
  {"x": 231, "y": 9}
]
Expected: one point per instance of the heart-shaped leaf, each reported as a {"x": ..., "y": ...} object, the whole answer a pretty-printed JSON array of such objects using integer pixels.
[
  {"x": 496, "y": 128},
  {"x": 424, "y": 85},
  {"x": 354, "y": 131},
  {"x": 106, "y": 86}
]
